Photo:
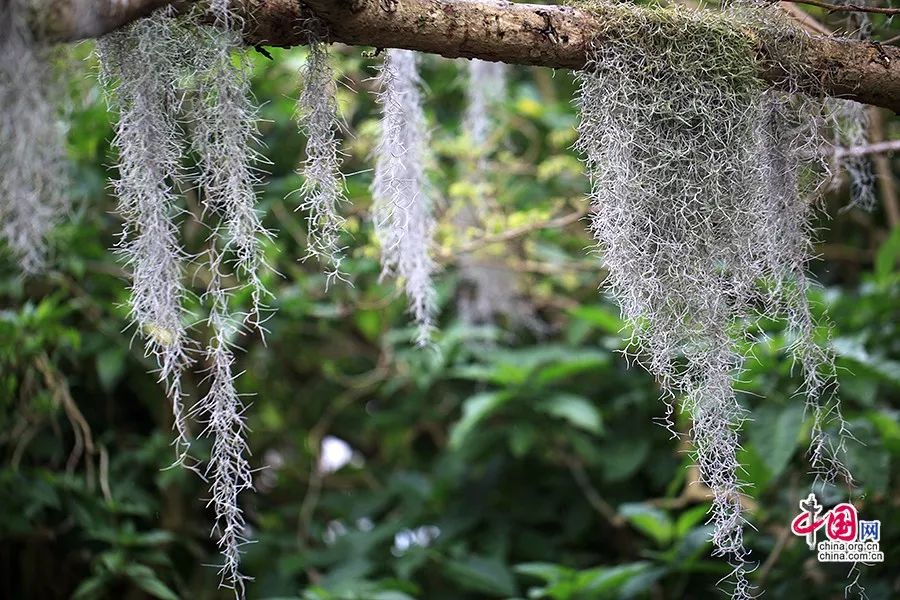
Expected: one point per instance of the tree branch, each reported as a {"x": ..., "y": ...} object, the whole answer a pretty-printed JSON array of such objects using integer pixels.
[
  {"x": 69, "y": 20},
  {"x": 874, "y": 148},
  {"x": 531, "y": 34}
]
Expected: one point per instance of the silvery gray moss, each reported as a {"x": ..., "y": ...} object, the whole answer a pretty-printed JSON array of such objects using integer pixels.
[
  {"x": 850, "y": 124},
  {"x": 402, "y": 209},
  {"x": 176, "y": 86},
  {"x": 224, "y": 135},
  {"x": 140, "y": 70},
  {"x": 701, "y": 208},
  {"x": 490, "y": 289},
  {"x": 222, "y": 120},
  {"x": 851, "y": 129},
  {"x": 32, "y": 200},
  {"x": 322, "y": 190},
  {"x": 485, "y": 89}
]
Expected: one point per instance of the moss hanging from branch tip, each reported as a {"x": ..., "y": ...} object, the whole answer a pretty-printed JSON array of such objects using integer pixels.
[
  {"x": 403, "y": 209},
  {"x": 32, "y": 196},
  {"x": 139, "y": 67},
  {"x": 701, "y": 210},
  {"x": 322, "y": 190}
]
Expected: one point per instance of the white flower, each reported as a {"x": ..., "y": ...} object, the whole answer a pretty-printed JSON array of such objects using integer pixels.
[{"x": 334, "y": 454}]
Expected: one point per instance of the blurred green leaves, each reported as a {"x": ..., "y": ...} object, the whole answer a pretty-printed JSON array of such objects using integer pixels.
[{"x": 482, "y": 462}]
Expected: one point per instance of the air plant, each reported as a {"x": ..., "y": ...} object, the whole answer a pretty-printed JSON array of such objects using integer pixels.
[
  {"x": 32, "y": 199},
  {"x": 402, "y": 210},
  {"x": 703, "y": 226},
  {"x": 322, "y": 191},
  {"x": 140, "y": 68},
  {"x": 224, "y": 135}
]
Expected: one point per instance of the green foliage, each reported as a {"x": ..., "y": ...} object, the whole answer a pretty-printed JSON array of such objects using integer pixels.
[{"x": 479, "y": 465}]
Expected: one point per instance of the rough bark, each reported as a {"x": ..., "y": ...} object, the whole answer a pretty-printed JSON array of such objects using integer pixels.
[
  {"x": 69, "y": 20},
  {"x": 531, "y": 34}
]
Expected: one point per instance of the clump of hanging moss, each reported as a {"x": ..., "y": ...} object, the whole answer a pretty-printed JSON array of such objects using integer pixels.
[
  {"x": 176, "y": 85},
  {"x": 32, "y": 152},
  {"x": 701, "y": 210}
]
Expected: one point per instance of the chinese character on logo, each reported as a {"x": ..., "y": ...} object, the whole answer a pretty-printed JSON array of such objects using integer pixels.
[
  {"x": 870, "y": 530},
  {"x": 841, "y": 523},
  {"x": 808, "y": 521}
]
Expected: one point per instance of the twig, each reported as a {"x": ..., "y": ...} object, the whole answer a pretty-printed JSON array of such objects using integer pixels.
[
  {"x": 835, "y": 8},
  {"x": 514, "y": 233},
  {"x": 804, "y": 18},
  {"x": 874, "y": 148},
  {"x": 83, "y": 439},
  {"x": 781, "y": 542},
  {"x": 591, "y": 494},
  {"x": 104, "y": 474},
  {"x": 885, "y": 175}
]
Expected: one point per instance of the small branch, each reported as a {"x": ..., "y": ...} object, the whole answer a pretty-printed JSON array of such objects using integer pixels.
[
  {"x": 837, "y": 8},
  {"x": 885, "y": 175},
  {"x": 516, "y": 232},
  {"x": 809, "y": 22},
  {"x": 591, "y": 494},
  {"x": 876, "y": 148}
]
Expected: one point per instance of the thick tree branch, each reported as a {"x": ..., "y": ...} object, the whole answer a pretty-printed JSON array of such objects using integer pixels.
[
  {"x": 530, "y": 34},
  {"x": 67, "y": 20}
]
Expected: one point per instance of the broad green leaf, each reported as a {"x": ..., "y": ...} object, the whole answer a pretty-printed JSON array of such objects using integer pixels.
[
  {"x": 577, "y": 410},
  {"x": 391, "y": 595},
  {"x": 548, "y": 572},
  {"x": 155, "y": 587},
  {"x": 775, "y": 433},
  {"x": 888, "y": 256},
  {"x": 90, "y": 588},
  {"x": 855, "y": 353},
  {"x": 474, "y": 410},
  {"x": 605, "y": 580},
  {"x": 689, "y": 519},
  {"x": 649, "y": 520},
  {"x": 623, "y": 456},
  {"x": 486, "y": 575},
  {"x": 600, "y": 316},
  {"x": 887, "y": 422}
]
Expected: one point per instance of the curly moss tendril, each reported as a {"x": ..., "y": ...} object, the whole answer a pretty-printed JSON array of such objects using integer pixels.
[{"x": 176, "y": 85}]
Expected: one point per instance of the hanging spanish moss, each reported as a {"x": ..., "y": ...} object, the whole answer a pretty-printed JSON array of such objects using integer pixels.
[
  {"x": 222, "y": 412},
  {"x": 851, "y": 130},
  {"x": 224, "y": 136},
  {"x": 322, "y": 190},
  {"x": 140, "y": 69},
  {"x": 150, "y": 67},
  {"x": 700, "y": 214},
  {"x": 490, "y": 288},
  {"x": 402, "y": 210},
  {"x": 791, "y": 128},
  {"x": 485, "y": 89},
  {"x": 32, "y": 200}
]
